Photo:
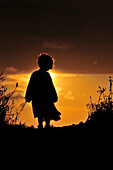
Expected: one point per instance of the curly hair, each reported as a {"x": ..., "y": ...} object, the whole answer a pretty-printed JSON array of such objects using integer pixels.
[{"x": 45, "y": 61}]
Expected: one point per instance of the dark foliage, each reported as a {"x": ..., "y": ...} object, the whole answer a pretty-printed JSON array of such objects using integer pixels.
[
  {"x": 7, "y": 116},
  {"x": 100, "y": 114}
]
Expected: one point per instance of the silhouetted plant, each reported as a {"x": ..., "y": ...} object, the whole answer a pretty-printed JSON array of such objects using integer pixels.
[
  {"x": 103, "y": 110},
  {"x": 7, "y": 116}
]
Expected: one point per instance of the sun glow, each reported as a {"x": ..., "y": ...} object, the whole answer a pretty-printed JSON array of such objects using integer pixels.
[
  {"x": 73, "y": 92},
  {"x": 52, "y": 75}
]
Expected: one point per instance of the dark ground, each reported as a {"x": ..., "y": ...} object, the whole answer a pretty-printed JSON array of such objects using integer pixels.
[{"x": 57, "y": 147}]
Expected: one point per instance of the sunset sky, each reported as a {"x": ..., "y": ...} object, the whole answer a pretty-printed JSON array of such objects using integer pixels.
[{"x": 77, "y": 33}]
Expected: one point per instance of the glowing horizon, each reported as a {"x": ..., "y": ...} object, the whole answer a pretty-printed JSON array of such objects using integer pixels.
[{"x": 73, "y": 91}]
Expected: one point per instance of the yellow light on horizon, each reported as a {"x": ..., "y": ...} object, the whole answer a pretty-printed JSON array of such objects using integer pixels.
[
  {"x": 52, "y": 75},
  {"x": 73, "y": 92}
]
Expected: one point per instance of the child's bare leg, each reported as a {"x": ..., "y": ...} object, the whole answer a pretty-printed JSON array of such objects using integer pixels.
[
  {"x": 40, "y": 122},
  {"x": 47, "y": 123}
]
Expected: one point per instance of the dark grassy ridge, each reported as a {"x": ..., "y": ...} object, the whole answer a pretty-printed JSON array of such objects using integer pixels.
[{"x": 83, "y": 131}]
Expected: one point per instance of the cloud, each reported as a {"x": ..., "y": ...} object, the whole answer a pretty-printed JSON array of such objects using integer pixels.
[
  {"x": 22, "y": 80},
  {"x": 60, "y": 45},
  {"x": 68, "y": 75},
  {"x": 95, "y": 62},
  {"x": 69, "y": 96},
  {"x": 11, "y": 69},
  {"x": 18, "y": 96}
]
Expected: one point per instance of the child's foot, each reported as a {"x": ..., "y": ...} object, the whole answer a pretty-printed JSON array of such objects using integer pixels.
[
  {"x": 47, "y": 126},
  {"x": 40, "y": 126}
]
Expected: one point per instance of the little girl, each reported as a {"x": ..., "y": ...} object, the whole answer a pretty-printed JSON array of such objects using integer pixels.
[{"x": 42, "y": 93}]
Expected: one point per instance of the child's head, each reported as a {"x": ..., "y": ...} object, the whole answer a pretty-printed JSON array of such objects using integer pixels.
[{"x": 45, "y": 61}]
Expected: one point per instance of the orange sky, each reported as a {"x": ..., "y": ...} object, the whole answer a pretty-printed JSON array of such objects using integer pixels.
[
  {"x": 73, "y": 92},
  {"x": 77, "y": 34}
]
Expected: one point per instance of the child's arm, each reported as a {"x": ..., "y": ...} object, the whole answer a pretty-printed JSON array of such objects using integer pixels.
[{"x": 28, "y": 95}]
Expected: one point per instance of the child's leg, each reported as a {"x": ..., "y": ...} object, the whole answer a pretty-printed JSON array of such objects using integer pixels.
[
  {"x": 40, "y": 122},
  {"x": 47, "y": 123}
]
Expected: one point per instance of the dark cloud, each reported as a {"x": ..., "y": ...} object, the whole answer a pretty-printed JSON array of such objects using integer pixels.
[
  {"x": 77, "y": 33},
  {"x": 11, "y": 69},
  {"x": 52, "y": 18}
]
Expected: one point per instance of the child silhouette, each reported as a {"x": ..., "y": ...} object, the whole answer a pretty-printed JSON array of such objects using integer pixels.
[{"x": 42, "y": 93}]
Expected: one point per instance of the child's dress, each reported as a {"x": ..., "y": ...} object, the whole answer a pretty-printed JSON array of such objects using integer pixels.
[{"x": 42, "y": 93}]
